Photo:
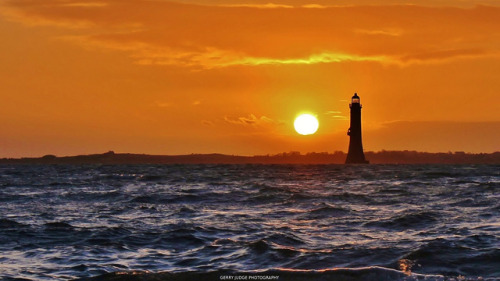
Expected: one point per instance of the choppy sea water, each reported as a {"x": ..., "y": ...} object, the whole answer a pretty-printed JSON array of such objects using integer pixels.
[{"x": 210, "y": 222}]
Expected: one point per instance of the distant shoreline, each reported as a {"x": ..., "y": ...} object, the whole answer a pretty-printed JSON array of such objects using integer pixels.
[{"x": 381, "y": 157}]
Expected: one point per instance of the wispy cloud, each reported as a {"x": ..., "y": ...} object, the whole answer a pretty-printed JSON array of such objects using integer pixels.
[
  {"x": 386, "y": 32},
  {"x": 314, "y": 6},
  {"x": 163, "y": 104},
  {"x": 251, "y": 120},
  {"x": 209, "y": 37},
  {"x": 207, "y": 123},
  {"x": 210, "y": 57},
  {"x": 336, "y": 115},
  {"x": 311, "y": 59},
  {"x": 260, "y": 6},
  {"x": 214, "y": 58},
  {"x": 444, "y": 55},
  {"x": 85, "y": 4}
]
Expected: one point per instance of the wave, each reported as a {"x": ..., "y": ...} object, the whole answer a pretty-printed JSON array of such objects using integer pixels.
[
  {"x": 327, "y": 209},
  {"x": 58, "y": 225},
  {"x": 6, "y": 223},
  {"x": 416, "y": 220},
  {"x": 458, "y": 257},
  {"x": 168, "y": 199},
  {"x": 374, "y": 273},
  {"x": 204, "y": 222},
  {"x": 351, "y": 198}
]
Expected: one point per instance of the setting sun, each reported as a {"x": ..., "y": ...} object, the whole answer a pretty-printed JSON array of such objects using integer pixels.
[{"x": 306, "y": 124}]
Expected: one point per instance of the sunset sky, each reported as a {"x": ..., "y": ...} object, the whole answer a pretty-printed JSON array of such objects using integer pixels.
[{"x": 221, "y": 76}]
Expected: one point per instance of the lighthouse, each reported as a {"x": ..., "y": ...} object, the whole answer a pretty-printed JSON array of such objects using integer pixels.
[{"x": 355, "y": 154}]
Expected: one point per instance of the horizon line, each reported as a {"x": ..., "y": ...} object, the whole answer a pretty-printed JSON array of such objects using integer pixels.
[{"x": 284, "y": 153}]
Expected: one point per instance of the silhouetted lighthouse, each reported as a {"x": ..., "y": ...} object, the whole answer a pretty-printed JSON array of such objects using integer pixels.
[{"x": 355, "y": 154}]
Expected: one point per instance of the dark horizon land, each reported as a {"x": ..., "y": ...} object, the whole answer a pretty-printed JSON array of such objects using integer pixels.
[{"x": 294, "y": 157}]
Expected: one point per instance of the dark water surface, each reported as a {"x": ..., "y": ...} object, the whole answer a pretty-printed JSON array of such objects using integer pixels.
[{"x": 399, "y": 222}]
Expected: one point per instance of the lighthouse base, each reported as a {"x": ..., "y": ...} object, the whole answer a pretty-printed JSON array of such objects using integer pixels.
[
  {"x": 357, "y": 162},
  {"x": 356, "y": 158}
]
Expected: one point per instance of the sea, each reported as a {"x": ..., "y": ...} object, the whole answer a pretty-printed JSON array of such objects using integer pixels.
[{"x": 250, "y": 222}]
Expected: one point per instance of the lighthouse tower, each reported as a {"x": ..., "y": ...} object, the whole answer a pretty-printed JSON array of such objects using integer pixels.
[{"x": 355, "y": 154}]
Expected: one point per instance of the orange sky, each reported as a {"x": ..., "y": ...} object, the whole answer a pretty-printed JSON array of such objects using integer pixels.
[{"x": 194, "y": 76}]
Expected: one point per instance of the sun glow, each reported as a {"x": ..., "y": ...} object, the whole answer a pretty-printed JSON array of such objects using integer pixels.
[{"x": 306, "y": 124}]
